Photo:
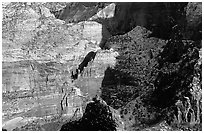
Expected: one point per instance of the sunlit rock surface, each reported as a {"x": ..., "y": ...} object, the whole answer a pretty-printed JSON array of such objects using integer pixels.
[
  {"x": 107, "y": 12},
  {"x": 36, "y": 83}
]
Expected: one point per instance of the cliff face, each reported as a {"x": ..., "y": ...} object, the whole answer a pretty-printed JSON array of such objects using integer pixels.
[
  {"x": 150, "y": 62},
  {"x": 38, "y": 56}
]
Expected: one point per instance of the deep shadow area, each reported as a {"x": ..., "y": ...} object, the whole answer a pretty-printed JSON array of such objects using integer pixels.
[
  {"x": 150, "y": 81},
  {"x": 173, "y": 81},
  {"x": 97, "y": 117},
  {"x": 158, "y": 17},
  {"x": 118, "y": 90}
]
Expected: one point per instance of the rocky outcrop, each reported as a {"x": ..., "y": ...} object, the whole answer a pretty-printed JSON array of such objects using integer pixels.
[
  {"x": 144, "y": 90},
  {"x": 98, "y": 116},
  {"x": 129, "y": 80},
  {"x": 144, "y": 55}
]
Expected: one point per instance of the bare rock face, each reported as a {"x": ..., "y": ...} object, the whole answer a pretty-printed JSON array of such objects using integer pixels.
[
  {"x": 38, "y": 59},
  {"x": 80, "y": 11},
  {"x": 68, "y": 43},
  {"x": 38, "y": 35},
  {"x": 105, "y": 13},
  {"x": 91, "y": 79}
]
